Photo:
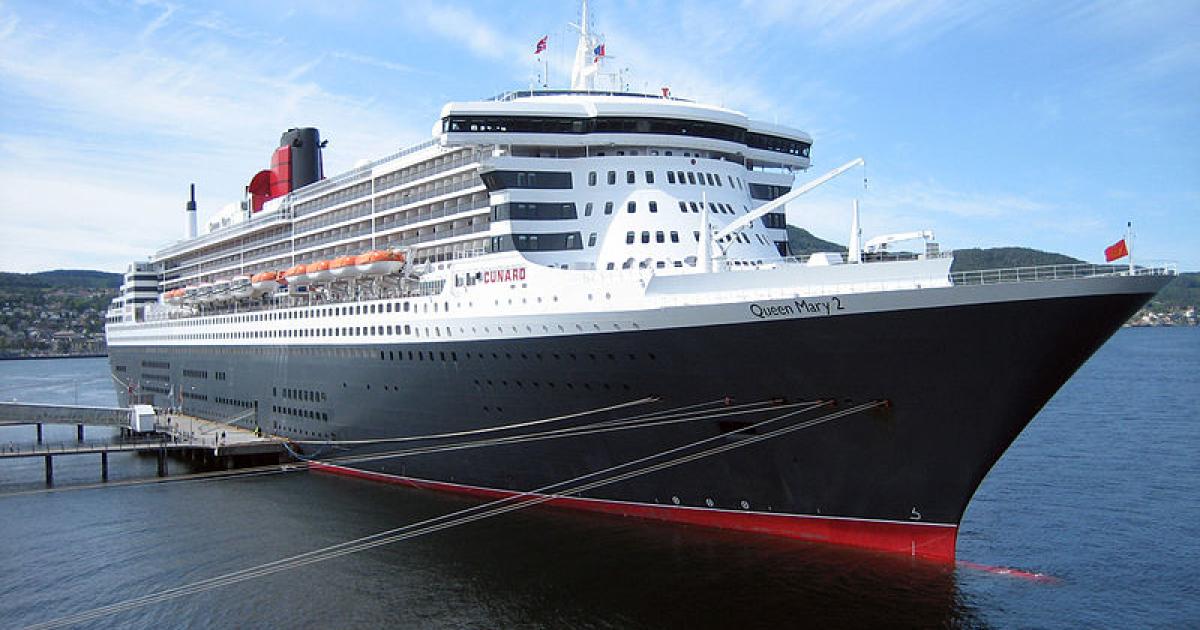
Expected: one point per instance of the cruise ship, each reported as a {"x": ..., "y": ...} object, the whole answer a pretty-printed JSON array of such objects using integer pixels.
[{"x": 563, "y": 283}]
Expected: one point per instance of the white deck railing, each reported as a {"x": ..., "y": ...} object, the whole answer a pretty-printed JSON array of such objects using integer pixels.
[{"x": 1057, "y": 272}]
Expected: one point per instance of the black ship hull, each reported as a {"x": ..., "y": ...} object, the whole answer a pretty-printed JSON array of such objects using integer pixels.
[{"x": 960, "y": 382}]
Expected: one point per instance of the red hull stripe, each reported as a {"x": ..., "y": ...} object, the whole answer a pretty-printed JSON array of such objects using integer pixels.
[{"x": 924, "y": 540}]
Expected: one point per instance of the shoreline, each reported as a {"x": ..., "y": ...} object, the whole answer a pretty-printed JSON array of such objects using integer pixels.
[{"x": 93, "y": 355}]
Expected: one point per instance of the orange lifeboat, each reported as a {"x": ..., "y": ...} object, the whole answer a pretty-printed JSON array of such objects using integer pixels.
[
  {"x": 295, "y": 276},
  {"x": 318, "y": 271},
  {"x": 379, "y": 262},
  {"x": 343, "y": 267},
  {"x": 264, "y": 282}
]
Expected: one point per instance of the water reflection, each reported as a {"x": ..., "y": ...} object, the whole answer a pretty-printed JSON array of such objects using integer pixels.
[{"x": 553, "y": 568}]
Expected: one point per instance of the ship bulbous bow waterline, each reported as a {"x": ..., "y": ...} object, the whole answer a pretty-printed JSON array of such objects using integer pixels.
[{"x": 961, "y": 370}]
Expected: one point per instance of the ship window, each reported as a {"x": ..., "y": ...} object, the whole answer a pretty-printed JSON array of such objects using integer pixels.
[
  {"x": 592, "y": 239},
  {"x": 645, "y": 237},
  {"x": 629, "y": 238},
  {"x": 612, "y": 177},
  {"x": 696, "y": 235},
  {"x": 631, "y": 207},
  {"x": 653, "y": 206},
  {"x": 709, "y": 177},
  {"x": 592, "y": 178},
  {"x": 679, "y": 176},
  {"x": 659, "y": 238},
  {"x": 608, "y": 207},
  {"x": 691, "y": 177},
  {"x": 683, "y": 206},
  {"x": 630, "y": 178},
  {"x": 670, "y": 177},
  {"x": 700, "y": 178},
  {"x": 587, "y": 210},
  {"x": 649, "y": 177},
  {"x": 610, "y": 266},
  {"x": 674, "y": 236},
  {"x": 694, "y": 207}
]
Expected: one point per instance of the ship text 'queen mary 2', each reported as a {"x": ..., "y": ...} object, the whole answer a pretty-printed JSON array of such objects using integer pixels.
[{"x": 588, "y": 296}]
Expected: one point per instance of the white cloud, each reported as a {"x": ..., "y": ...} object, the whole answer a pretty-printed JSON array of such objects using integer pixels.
[
  {"x": 157, "y": 23},
  {"x": 133, "y": 122}
]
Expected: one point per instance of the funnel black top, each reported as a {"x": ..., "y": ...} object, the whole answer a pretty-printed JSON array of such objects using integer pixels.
[{"x": 306, "y": 155}]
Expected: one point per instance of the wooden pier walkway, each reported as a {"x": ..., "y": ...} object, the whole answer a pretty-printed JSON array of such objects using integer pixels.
[{"x": 212, "y": 444}]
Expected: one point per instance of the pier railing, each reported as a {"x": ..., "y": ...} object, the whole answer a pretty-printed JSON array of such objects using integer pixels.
[{"x": 1043, "y": 273}]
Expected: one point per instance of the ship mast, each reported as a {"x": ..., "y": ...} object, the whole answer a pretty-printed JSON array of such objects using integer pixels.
[{"x": 583, "y": 73}]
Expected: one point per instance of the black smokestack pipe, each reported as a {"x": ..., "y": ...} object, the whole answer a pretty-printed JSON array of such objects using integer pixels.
[
  {"x": 190, "y": 213},
  {"x": 306, "y": 155}
]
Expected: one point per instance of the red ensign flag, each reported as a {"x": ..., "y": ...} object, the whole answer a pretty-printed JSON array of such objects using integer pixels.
[{"x": 1116, "y": 250}]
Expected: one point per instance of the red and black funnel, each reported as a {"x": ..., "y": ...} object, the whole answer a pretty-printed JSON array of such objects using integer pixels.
[{"x": 295, "y": 164}]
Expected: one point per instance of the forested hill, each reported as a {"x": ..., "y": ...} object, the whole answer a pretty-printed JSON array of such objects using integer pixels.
[
  {"x": 61, "y": 278},
  {"x": 804, "y": 243},
  {"x": 1007, "y": 258}
]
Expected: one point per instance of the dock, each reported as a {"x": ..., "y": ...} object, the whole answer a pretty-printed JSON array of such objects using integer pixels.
[{"x": 211, "y": 444}]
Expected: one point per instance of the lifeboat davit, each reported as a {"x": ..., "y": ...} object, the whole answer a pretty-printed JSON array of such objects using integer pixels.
[
  {"x": 296, "y": 276},
  {"x": 264, "y": 282},
  {"x": 318, "y": 271},
  {"x": 220, "y": 291},
  {"x": 343, "y": 267},
  {"x": 191, "y": 294},
  {"x": 173, "y": 297},
  {"x": 204, "y": 292},
  {"x": 240, "y": 287},
  {"x": 379, "y": 262}
]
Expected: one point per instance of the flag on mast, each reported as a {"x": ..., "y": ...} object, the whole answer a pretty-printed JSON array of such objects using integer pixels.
[
  {"x": 1116, "y": 251},
  {"x": 598, "y": 51},
  {"x": 541, "y": 45}
]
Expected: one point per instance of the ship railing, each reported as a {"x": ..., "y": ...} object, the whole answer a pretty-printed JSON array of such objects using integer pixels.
[
  {"x": 401, "y": 219},
  {"x": 872, "y": 257},
  {"x": 424, "y": 172},
  {"x": 434, "y": 236},
  {"x": 438, "y": 191},
  {"x": 333, "y": 182},
  {"x": 218, "y": 235},
  {"x": 1042, "y": 273},
  {"x": 515, "y": 94}
]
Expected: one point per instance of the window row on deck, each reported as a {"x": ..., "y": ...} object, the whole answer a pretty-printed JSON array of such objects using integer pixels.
[{"x": 623, "y": 124}]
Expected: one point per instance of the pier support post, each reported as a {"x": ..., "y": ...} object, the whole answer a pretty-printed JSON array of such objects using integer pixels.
[
  {"x": 103, "y": 465},
  {"x": 162, "y": 462},
  {"x": 49, "y": 470},
  {"x": 79, "y": 431},
  {"x": 39, "y": 433}
]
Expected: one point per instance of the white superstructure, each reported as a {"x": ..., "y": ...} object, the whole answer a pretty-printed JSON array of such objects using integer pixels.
[{"x": 550, "y": 202}]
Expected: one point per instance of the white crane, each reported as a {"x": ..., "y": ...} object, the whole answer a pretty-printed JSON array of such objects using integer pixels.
[
  {"x": 779, "y": 202},
  {"x": 880, "y": 243}
]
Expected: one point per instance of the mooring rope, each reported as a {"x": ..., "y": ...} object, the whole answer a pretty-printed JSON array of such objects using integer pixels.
[
  {"x": 462, "y": 517},
  {"x": 599, "y": 427},
  {"x": 673, "y": 414}
]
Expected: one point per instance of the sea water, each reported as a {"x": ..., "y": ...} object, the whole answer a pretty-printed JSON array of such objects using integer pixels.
[{"x": 1100, "y": 495}]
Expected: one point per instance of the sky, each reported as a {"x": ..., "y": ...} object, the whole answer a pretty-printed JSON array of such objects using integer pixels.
[{"x": 994, "y": 123}]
